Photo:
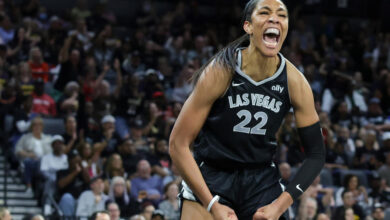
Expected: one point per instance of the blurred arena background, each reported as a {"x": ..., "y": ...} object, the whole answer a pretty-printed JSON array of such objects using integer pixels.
[{"x": 90, "y": 90}]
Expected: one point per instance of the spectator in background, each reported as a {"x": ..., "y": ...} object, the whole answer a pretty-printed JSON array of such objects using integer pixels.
[
  {"x": 70, "y": 135},
  {"x": 113, "y": 211},
  {"x": 375, "y": 119},
  {"x": 147, "y": 211},
  {"x": 384, "y": 170},
  {"x": 100, "y": 215},
  {"x": 50, "y": 164},
  {"x": 71, "y": 183},
  {"x": 365, "y": 157},
  {"x": 71, "y": 69},
  {"x": 30, "y": 148},
  {"x": 147, "y": 184},
  {"x": 173, "y": 176},
  {"x": 5, "y": 214},
  {"x": 68, "y": 103},
  {"x": 7, "y": 31},
  {"x": 349, "y": 202},
  {"x": 114, "y": 167},
  {"x": 39, "y": 68},
  {"x": 25, "y": 81},
  {"x": 108, "y": 141},
  {"x": 307, "y": 209},
  {"x": 378, "y": 212},
  {"x": 92, "y": 200},
  {"x": 130, "y": 156},
  {"x": 170, "y": 205},
  {"x": 43, "y": 103},
  {"x": 351, "y": 184},
  {"x": 118, "y": 193},
  {"x": 89, "y": 159}
]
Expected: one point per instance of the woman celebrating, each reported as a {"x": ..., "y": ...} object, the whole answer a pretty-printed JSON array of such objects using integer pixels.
[{"x": 239, "y": 101}]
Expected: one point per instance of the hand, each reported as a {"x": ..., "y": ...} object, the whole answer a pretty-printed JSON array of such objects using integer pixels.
[
  {"x": 268, "y": 212},
  {"x": 222, "y": 212}
]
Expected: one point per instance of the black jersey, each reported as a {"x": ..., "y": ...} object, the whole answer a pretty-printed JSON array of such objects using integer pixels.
[{"x": 240, "y": 128}]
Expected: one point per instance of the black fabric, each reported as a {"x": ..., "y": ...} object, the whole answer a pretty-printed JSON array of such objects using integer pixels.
[
  {"x": 313, "y": 145},
  {"x": 243, "y": 190},
  {"x": 241, "y": 126}
]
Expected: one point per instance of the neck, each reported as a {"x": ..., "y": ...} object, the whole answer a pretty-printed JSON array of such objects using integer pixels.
[
  {"x": 254, "y": 60},
  {"x": 37, "y": 135}
]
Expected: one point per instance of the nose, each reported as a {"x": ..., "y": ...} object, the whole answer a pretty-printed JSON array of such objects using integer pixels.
[{"x": 273, "y": 19}]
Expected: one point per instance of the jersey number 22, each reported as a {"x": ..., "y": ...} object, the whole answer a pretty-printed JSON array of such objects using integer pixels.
[{"x": 257, "y": 129}]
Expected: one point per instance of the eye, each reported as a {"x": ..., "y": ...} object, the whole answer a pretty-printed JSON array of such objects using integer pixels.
[
  {"x": 263, "y": 13},
  {"x": 283, "y": 15}
]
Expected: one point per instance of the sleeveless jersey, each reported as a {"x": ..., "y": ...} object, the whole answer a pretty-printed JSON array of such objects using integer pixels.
[{"x": 240, "y": 128}]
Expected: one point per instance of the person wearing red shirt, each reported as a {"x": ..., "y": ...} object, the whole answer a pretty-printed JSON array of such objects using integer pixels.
[
  {"x": 39, "y": 68},
  {"x": 42, "y": 102}
]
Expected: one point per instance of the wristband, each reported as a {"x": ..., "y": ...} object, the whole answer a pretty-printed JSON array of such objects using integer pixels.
[{"x": 215, "y": 199}]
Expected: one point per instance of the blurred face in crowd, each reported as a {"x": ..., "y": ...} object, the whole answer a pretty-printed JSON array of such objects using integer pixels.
[
  {"x": 322, "y": 216},
  {"x": 128, "y": 148},
  {"x": 119, "y": 188},
  {"x": 58, "y": 147},
  {"x": 343, "y": 108},
  {"x": 114, "y": 211},
  {"x": 172, "y": 192},
  {"x": 75, "y": 56},
  {"x": 116, "y": 161},
  {"x": 349, "y": 215},
  {"x": 378, "y": 214},
  {"x": 311, "y": 208},
  {"x": 103, "y": 216},
  {"x": 148, "y": 211},
  {"x": 37, "y": 126},
  {"x": 97, "y": 186},
  {"x": 143, "y": 169},
  {"x": 162, "y": 146},
  {"x": 353, "y": 183},
  {"x": 86, "y": 151},
  {"x": 36, "y": 55},
  {"x": 6, "y": 215},
  {"x": 268, "y": 26},
  {"x": 348, "y": 199}
]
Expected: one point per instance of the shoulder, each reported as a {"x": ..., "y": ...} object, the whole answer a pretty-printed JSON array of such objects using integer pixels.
[
  {"x": 294, "y": 76},
  {"x": 214, "y": 80}
]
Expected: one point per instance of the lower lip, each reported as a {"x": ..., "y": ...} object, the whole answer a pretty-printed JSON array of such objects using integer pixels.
[{"x": 270, "y": 45}]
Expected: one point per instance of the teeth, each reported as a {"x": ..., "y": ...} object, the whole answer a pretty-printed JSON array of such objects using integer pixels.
[{"x": 272, "y": 31}]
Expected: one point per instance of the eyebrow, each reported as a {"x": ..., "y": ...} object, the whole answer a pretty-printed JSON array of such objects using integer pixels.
[{"x": 269, "y": 9}]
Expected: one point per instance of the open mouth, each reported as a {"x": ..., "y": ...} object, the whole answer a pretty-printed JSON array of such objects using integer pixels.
[{"x": 271, "y": 37}]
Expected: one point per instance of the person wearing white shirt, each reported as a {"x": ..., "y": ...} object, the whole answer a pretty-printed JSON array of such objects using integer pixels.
[{"x": 50, "y": 164}]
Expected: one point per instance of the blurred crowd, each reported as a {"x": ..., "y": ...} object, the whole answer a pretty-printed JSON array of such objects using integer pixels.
[{"x": 117, "y": 96}]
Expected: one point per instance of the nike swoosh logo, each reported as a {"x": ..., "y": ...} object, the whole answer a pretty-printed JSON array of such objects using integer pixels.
[
  {"x": 299, "y": 188},
  {"x": 236, "y": 84}
]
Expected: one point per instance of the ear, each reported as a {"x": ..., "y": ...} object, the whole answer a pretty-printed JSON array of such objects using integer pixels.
[{"x": 248, "y": 27}]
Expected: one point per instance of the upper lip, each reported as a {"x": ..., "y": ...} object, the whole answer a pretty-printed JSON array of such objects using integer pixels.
[{"x": 272, "y": 27}]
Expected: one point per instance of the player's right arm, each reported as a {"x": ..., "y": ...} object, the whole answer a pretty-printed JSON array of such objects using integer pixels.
[{"x": 211, "y": 85}]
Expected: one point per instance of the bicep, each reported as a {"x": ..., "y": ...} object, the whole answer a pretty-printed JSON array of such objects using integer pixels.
[
  {"x": 211, "y": 85},
  {"x": 302, "y": 101}
]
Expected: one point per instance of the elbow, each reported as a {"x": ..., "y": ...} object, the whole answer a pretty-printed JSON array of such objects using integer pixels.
[{"x": 172, "y": 147}]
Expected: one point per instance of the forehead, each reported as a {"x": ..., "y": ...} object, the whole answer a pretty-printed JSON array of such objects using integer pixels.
[{"x": 273, "y": 4}]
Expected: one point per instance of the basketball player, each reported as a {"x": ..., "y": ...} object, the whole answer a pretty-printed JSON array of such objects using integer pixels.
[{"x": 239, "y": 101}]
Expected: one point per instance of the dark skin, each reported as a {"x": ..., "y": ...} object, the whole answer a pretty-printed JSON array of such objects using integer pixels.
[{"x": 75, "y": 168}]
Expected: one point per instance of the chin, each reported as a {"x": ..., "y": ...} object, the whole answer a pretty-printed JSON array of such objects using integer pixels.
[{"x": 268, "y": 52}]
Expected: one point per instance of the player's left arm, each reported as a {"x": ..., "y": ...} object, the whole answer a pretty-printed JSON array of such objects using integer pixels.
[{"x": 309, "y": 130}]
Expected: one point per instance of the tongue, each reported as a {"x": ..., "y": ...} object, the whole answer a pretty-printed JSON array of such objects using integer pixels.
[{"x": 270, "y": 38}]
